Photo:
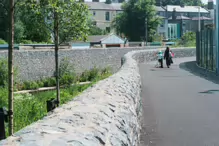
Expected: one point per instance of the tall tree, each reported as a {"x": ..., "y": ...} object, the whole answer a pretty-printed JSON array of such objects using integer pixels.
[
  {"x": 138, "y": 20},
  {"x": 4, "y": 18},
  {"x": 66, "y": 19},
  {"x": 32, "y": 24}
]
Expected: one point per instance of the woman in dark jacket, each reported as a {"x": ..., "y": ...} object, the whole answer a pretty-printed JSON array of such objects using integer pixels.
[{"x": 167, "y": 56}]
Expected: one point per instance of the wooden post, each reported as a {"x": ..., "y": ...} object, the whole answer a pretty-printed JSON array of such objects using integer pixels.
[{"x": 56, "y": 31}]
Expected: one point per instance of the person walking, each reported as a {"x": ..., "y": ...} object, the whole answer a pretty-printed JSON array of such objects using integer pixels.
[
  {"x": 171, "y": 57},
  {"x": 167, "y": 56},
  {"x": 160, "y": 58}
]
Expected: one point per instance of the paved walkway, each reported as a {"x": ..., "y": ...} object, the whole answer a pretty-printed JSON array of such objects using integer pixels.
[{"x": 175, "y": 112}]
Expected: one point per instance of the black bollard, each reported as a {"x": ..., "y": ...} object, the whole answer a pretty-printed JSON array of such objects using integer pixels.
[
  {"x": 51, "y": 104},
  {"x": 3, "y": 119}
]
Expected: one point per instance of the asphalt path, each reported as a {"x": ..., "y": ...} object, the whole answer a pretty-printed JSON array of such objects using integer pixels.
[{"x": 177, "y": 110}]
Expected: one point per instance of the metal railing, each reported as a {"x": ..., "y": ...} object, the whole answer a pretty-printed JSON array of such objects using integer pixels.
[{"x": 206, "y": 49}]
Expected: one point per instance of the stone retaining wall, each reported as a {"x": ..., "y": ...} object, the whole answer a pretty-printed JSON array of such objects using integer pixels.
[
  {"x": 107, "y": 114},
  {"x": 33, "y": 65}
]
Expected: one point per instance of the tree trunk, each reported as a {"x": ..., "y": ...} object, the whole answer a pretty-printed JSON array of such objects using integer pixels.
[
  {"x": 10, "y": 66},
  {"x": 56, "y": 31}
]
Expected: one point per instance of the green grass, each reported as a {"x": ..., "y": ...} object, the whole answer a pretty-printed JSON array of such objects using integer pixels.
[
  {"x": 32, "y": 107},
  {"x": 29, "y": 108}
]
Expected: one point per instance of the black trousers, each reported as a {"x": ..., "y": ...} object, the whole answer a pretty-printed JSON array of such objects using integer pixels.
[
  {"x": 161, "y": 62},
  {"x": 168, "y": 61}
]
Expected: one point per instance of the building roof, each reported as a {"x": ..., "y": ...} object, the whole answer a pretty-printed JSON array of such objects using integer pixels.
[
  {"x": 95, "y": 38},
  {"x": 110, "y": 38},
  {"x": 181, "y": 18},
  {"x": 170, "y": 8},
  {"x": 201, "y": 18},
  {"x": 159, "y": 9},
  {"x": 104, "y": 6}
]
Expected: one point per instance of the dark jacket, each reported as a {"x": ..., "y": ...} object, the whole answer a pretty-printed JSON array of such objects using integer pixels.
[{"x": 167, "y": 54}]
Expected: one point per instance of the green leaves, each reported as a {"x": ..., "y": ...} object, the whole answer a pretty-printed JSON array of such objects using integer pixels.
[
  {"x": 72, "y": 17},
  {"x": 131, "y": 22}
]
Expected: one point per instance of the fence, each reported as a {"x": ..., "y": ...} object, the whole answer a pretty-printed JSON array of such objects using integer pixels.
[{"x": 206, "y": 49}]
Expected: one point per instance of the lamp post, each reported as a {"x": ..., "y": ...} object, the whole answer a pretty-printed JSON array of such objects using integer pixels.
[
  {"x": 199, "y": 21},
  {"x": 146, "y": 31}
]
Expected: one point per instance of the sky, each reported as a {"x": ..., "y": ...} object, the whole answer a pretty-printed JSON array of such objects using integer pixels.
[{"x": 206, "y": 1}]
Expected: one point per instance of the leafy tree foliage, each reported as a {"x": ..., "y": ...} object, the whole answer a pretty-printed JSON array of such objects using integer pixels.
[
  {"x": 108, "y": 2},
  {"x": 132, "y": 22},
  {"x": 4, "y": 4},
  {"x": 94, "y": 30},
  {"x": 72, "y": 17},
  {"x": 33, "y": 28}
]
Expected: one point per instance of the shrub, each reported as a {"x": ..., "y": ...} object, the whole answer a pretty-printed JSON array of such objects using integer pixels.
[
  {"x": 49, "y": 82},
  {"x": 157, "y": 38},
  {"x": 84, "y": 76},
  {"x": 26, "y": 42},
  {"x": 66, "y": 72},
  {"x": 30, "y": 85},
  {"x": 3, "y": 97},
  {"x": 2, "y": 41},
  {"x": 4, "y": 73},
  {"x": 40, "y": 83},
  {"x": 93, "y": 74},
  {"x": 34, "y": 85},
  {"x": 106, "y": 70},
  {"x": 67, "y": 80},
  {"x": 188, "y": 39}
]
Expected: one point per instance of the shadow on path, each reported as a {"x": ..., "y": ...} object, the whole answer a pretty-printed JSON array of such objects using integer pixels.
[{"x": 203, "y": 73}]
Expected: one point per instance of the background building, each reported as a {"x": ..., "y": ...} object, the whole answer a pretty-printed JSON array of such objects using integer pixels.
[
  {"x": 103, "y": 14},
  {"x": 176, "y": 20}
]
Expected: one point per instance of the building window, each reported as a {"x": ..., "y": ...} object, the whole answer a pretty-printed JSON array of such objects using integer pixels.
[
  {"x": 161, "y": 13},
  {"x": 94, "y": 13},
  {"x": 108, "y": 29},
  {"x": 107, "y": 16}
]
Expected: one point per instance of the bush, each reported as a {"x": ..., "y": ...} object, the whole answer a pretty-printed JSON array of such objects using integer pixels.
[
  {"x": 26, "y": 42},
  {"x": 67, "y": 80},
  {"x": 187, "y": 40},
  {"x": 157, "y": 38},
  {"x": 93, "y": 74},
  {"x": 3, "y": 97},
  {"x": 66, "y": 72},
  {"x": 2, "y": 41},
  {"x": 40, "y": 83},
  {"x": 84, "y": 76},
  {"x": 106, "y": 70},
  {"x": 4, "y": 73},
  {"x": 30, "y": 85},
  {"x": 49, "y": 82}
]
